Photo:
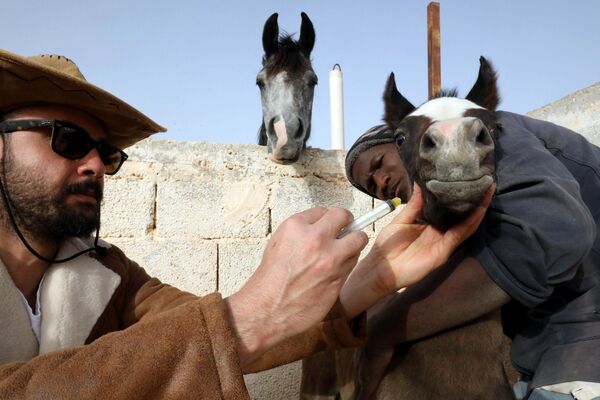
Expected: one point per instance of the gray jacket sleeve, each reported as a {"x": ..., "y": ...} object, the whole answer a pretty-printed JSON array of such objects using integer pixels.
[{"x": 538, "y": 229}]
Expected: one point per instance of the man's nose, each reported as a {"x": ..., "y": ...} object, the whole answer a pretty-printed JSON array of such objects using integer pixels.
[
  {"x": 91, "y": 164},
  {"x": 381, "y": 179}
]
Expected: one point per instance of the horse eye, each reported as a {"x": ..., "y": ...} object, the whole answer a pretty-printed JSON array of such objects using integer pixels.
[
  {"x": 313, "y": 82},
  {"x": 260, "y": 84}
]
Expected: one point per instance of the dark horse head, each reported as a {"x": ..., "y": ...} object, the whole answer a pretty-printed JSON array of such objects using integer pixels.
[
  {"x": 447, "y": 145},
  {"x": 287, "y": 82}
]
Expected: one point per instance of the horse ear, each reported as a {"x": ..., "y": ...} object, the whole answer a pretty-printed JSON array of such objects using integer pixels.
[
  {"x": 307, "y": 35},
  {"x": 396, "y": 106},
  {"x": 485, "y": 91},
  {"x": 270, "y": 36}
]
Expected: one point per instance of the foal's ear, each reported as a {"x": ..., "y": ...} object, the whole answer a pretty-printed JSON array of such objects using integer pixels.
[
  {"x": 396, "y": 106},
  {"x": 485, "y": 92},
  {"x": 307, "y": 35},
  {"x": 270, "y": 36}
]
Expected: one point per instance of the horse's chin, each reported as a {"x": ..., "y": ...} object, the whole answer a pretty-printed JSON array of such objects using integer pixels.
[
  {"x": 460, "y": 196},
  {"x": 283, "y": 161}
]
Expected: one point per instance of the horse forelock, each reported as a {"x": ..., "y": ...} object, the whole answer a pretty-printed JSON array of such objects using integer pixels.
[
  {"x": 288, "y": 57},
  {"x": 445, "y": 93}
]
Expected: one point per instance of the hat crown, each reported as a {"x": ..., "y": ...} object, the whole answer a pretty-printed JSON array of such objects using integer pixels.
[
  {"x": 55, "y": 79},
  {"x": 59, "y": 63}
]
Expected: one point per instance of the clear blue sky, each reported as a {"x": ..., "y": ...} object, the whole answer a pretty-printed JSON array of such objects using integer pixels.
[{"x": 191, "y": 64}]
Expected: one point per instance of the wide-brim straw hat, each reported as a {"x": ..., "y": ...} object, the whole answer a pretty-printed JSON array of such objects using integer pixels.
[{"x": 56, "y": 80}]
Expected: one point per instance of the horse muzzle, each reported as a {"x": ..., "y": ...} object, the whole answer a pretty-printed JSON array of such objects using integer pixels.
[{"x": 460, "y": 196}]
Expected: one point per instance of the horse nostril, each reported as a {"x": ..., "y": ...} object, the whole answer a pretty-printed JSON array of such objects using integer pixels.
[
  {"x": 428, "y": 142},
  {"x": 484, "y": 137},
  {"x": 300, "y": 130}
]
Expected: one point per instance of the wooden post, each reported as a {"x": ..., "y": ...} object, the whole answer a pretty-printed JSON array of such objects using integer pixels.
[{"x": 433, "y": 48}]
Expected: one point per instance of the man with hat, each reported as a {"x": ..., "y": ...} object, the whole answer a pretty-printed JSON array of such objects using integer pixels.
[{"x": 79, "y": 319}]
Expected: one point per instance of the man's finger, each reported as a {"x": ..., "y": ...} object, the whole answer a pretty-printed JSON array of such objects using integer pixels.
[
  {"x": 336, "y": 219},
  {"x": 412, "y": 209},
  {"x": 312, "y": 215},
  {"x": 355, "y": 242}
]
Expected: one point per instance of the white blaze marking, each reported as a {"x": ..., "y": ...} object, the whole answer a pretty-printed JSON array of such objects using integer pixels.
[
  {"x": 444, "y": 108},
  {"x": 448, "y": 127},
  {"x": 281, "y": 132}
]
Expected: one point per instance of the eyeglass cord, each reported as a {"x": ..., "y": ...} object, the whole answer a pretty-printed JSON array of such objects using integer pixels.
[{"x": 101, "y": 250}]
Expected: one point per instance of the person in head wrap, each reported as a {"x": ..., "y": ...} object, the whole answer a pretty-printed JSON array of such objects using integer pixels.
[{"x": 374, "y": 167}]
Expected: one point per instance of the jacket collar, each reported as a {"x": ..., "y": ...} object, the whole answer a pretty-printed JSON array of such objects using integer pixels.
[
  {"x": 74, "y": 295},
  {"x": 17, "y": 340}
]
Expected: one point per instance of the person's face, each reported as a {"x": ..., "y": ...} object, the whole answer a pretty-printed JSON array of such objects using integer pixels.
[
  {"x": 52, "y": 197},
  {"x": 380, "y": 171}
]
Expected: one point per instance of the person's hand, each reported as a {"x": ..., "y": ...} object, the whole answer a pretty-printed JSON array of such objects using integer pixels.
[
  {"x": 298, "y": 281},
  {"x": 404, "y": 253}
]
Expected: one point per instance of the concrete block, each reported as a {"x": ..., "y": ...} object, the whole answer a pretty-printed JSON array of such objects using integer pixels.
[
  {"x": 189, "y": 265},
  {"x": 209, "y": 208},
  {"x": 238, "y": 259},
  {"x": 279, "y": 383},
  {"x": 293, "y": 195},
  {"x": 578, "y": 111},
  {"x": 128, "y": 207}
]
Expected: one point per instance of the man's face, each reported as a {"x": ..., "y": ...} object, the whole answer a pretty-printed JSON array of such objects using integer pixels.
[
  {"x": 380, "y": 171},
  {"x": 52, "y": 197}
]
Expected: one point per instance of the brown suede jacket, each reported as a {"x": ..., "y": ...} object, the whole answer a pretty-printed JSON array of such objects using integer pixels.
[{"x": 110, "y": 331}]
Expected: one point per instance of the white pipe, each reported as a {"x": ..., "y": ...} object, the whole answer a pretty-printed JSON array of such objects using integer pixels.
[{"x": 336, "y": 104}]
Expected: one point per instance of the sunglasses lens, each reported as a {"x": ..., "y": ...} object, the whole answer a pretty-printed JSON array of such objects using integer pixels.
[
  {"x": 71, "y": 142},
  {"x": 112, "y": 158}
]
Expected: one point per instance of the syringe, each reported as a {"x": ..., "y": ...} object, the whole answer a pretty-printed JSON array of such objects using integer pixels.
[{"x": 370, "y": 217}]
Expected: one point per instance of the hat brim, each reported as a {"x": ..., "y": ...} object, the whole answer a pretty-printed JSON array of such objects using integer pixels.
[{"x": 23, "y": 81}]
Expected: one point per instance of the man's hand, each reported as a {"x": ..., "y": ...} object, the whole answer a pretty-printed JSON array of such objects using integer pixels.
[
  {"x": 298, "y": 281},
  {"x": 404, "y": 253}
]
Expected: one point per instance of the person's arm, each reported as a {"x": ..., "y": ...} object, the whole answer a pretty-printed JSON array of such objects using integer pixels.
[
  {"x": 187, "y": 352},
  {"x": 404, "y": 253},
  {"x": 296, "y": 285}
]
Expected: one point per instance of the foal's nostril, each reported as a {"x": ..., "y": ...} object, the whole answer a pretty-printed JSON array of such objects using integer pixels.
[
  {"x": 428, "y": 142},
  {"x": 484, "y": 137}
]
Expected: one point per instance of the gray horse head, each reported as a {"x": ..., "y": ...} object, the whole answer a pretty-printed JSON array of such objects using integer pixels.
[{"x": 287, "y": 82}]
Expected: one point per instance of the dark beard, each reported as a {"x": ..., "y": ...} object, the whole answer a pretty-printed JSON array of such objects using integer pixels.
[{"x": 43, "y": 215}]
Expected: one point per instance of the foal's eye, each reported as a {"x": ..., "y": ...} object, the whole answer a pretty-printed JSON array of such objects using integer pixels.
[
  {"x": 260, "y": 84},
  {"x": 313, "y": 82},
  {"x": 400, "y": 139}
]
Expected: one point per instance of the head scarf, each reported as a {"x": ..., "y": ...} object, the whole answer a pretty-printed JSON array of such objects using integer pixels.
[{"x": 379, "y": 134}]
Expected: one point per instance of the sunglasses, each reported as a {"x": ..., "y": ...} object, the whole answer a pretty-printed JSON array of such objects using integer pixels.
[{"x": 71, "y": 141}]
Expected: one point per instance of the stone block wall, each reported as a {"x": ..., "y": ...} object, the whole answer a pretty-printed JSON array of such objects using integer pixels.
[{"x": 579, "y": 111}]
